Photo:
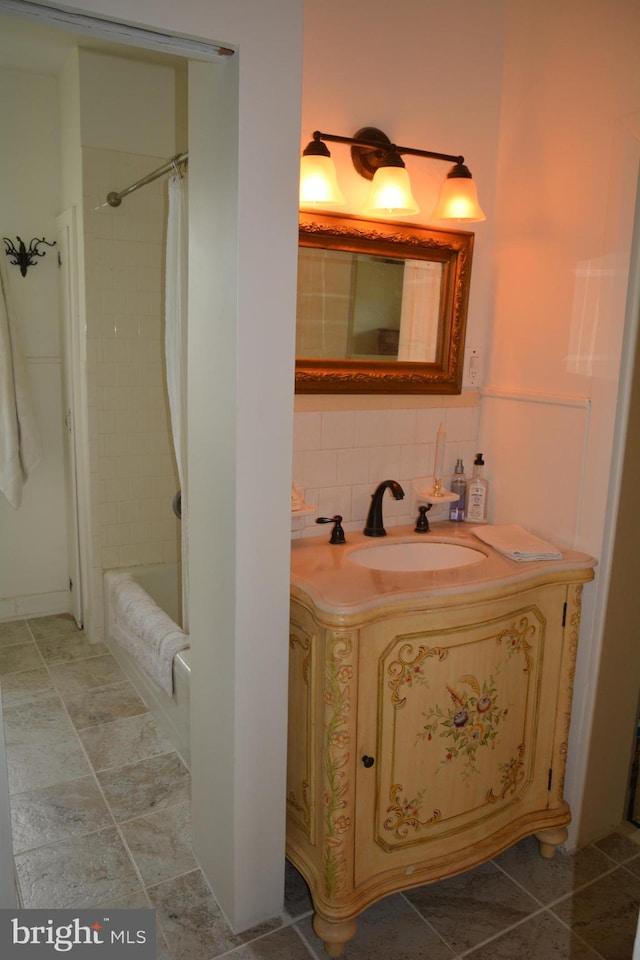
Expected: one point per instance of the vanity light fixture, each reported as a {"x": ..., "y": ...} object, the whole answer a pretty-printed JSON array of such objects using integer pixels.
[{"x": 377, "y": 159}]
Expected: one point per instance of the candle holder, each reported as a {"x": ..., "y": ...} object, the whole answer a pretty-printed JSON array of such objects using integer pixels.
[{"x": 432, "y": 490}]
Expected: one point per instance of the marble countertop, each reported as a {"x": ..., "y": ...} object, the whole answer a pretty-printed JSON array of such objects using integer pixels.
[{"x": 337, "y": 585}]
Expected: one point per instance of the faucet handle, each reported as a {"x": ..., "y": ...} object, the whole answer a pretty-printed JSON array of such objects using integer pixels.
[
  {"x": 422, "y": 523},
  {"x": 337, "y": 534}
]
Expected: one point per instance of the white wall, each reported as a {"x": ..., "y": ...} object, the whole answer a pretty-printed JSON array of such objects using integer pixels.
[
  {"x": 430, "y": 77},
  {"x": 127, "y": 105},
  {"x": 567, "y": 178},
  {"x": 33, "y": 555},
  {"x": 244, "y": 627}
]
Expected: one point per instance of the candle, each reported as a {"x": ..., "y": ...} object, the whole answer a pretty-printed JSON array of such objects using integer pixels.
[{"x": 439, "y": 461}]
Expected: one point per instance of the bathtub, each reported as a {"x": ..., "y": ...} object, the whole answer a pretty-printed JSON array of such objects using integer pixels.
[{"x": 161, "y": 585}]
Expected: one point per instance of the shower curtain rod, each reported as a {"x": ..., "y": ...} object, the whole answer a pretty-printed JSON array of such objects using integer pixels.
[{"x": 114, "y": 199}]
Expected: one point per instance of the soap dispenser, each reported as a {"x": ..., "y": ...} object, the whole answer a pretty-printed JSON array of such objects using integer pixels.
[
  {"x": 459, "y": 486},
  {"x": 477, "y": 493}
]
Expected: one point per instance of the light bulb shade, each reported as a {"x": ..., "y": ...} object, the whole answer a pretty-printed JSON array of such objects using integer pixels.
[
  {"x": 458, "y": 198},
  {"x": 390, "y": 194},
  {"x": 318, "y": 182}
]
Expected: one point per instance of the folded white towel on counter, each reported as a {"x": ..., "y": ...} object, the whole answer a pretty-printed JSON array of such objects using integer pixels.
[{"x": 516, "y": 543}]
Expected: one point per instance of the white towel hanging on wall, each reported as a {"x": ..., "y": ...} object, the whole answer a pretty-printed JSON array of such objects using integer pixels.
[{"x": 19, "y": 436}]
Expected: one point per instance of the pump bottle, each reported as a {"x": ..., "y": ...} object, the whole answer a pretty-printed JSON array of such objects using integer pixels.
[
  {"x": 459, "y": 486},
  {"x": 477, "y": 494}
]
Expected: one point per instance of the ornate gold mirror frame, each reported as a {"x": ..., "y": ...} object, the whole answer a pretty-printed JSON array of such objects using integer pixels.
[{"x": 402, "y": 242}]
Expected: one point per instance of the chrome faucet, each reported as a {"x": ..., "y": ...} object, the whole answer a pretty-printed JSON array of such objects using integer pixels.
[{"x": 374, "y": 526}]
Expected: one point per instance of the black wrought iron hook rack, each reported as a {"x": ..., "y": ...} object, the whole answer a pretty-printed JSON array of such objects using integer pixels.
[{"x": 23, "y": 256}]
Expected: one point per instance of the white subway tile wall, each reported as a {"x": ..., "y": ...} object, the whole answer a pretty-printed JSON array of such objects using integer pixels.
[
  {"x": 133, "y": 474},
  {"x": 340, "y": 456}
]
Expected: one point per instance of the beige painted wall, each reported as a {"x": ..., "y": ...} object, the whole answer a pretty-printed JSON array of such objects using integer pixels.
[{"x": 33, "y": 557}]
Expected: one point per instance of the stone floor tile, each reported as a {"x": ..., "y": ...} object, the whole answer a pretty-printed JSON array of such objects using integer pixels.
[
  {"x": 191, "y": 921},
  {"x": 124, "y": 741},
  {"x": 43, "y": 721},
  {"x": 58, "y": 625},
  {"x": 35, "y": 765},
  {"x": 605, "y": 913},
  {"x": 20, "y": 656},
  {"x": 389, "y": 930},
  {"x": 134, "y": 901},
  {"x": 281, "y": 944},
  {"x": 542, "y": 937},
  {"x": 83, "y": 872},
  {"x": 162, "y": 950},
  {"x": 146, "y": 786},
  {"x": 103, "y": 704},
  {"x": 633, "y": 865},
  {"x": 549, "y": 880},
  {"x": 14, "y": 631},
  {"x": 57, "y": 812},
  {"x": 619, "y": 846},
  {"x": 78, "y": 676},
  {"x": 25, "y": 686},
  {"x": 297, "y": 899},
  {"x": 488, "y": 900},
  {"x": 160, "y": 844},
  {"x": 71, "y": 646},
  {"x": 138, "y": 899}
]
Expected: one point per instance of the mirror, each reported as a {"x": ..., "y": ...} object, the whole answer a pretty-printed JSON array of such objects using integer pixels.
[{"x": 382, "y": 307}]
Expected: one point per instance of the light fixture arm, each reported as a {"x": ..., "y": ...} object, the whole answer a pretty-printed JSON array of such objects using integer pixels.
[{"x": 375, "y": 141}]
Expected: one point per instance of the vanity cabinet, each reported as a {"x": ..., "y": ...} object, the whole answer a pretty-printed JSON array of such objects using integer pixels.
[{"x": 426, "y": 735}]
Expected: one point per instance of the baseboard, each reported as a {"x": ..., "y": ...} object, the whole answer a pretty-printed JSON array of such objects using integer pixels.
[{"x": 35, "y": 605}]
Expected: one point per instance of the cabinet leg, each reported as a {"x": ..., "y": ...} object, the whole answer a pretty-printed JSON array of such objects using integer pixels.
[
  {"x": 334, "y": 935},
  {"x": 549, "y": 840}
]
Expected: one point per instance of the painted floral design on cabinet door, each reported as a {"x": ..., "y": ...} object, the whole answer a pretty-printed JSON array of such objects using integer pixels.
[
  {"x": 468, "y": 727},
  {"x": 468, "y": 723}
]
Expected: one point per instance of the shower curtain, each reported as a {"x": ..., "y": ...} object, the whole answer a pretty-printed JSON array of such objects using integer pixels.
[
  {"x": 420, "y": 310},
  {"x": 176, "y": 277}
]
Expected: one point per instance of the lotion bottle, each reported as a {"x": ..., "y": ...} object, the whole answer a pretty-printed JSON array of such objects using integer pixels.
[
  {"x": 459, "y": 486},
  {"x": 477, "y": 494}
]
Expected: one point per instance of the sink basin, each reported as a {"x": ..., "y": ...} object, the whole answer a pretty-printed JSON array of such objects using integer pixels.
[{"x": 416, "y": 555}]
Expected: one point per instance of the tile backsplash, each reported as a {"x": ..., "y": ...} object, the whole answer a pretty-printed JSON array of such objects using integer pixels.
[{"x": 340, "y": 456}]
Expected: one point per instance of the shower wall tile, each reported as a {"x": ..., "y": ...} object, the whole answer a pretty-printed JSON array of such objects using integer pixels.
[{"x": 131, "y": 457}]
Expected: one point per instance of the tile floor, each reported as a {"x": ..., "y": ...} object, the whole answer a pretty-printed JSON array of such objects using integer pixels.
[{"x": 100, "y": 812}]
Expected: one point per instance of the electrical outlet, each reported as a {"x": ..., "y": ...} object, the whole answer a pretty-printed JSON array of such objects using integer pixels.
[{"x": 473, "y": 368}]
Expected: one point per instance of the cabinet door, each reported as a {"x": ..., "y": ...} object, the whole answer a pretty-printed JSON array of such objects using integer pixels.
[{"x": 458, "y": 711}]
